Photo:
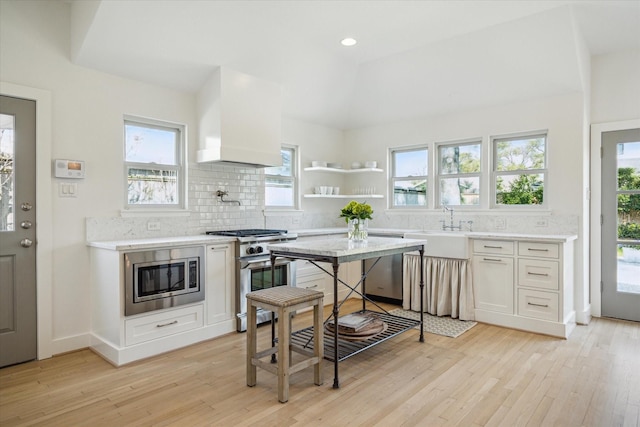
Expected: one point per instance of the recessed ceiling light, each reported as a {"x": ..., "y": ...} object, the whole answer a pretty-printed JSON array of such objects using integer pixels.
[{"x": 348, "y": 41}]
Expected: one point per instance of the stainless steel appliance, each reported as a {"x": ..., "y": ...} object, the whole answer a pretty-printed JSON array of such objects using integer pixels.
[
  {"x": 163, "y": 278},
  {"x": 384, "y": 281},
  {"x": 253, "y": 267}
]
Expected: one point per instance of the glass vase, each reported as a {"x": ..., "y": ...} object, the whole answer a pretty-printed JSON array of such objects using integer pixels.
[{"x": 357, "y": 231}]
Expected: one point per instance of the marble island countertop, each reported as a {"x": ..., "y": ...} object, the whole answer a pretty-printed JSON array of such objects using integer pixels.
[{"x": 344, "y": 249}]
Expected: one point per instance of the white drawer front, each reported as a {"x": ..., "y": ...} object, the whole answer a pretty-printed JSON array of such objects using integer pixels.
[
  {"x": 153, "y": 326},
  {"x": 541, "y": 250},
  {"x": 315, "y": 282},
  {"x": 498, "y": 247},
  {"x": 537, "y": 304},
  {"x": 306, "y": 268},
  {"x": 541, "y": 274}
]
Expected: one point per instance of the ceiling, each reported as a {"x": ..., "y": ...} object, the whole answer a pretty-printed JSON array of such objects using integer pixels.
[{"x": 413, "y": 58}]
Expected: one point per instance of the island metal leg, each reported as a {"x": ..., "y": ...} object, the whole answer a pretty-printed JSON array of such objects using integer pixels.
[
  {"x": 336, "y": 382},
  {"x": 421, "y": 294}
]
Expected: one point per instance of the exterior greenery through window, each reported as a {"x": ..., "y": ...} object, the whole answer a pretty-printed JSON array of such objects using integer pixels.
[
  {"x": 409, "y": 177},
  {"x": 154, "y": 164},
  {"x": 280, "y": 184},
  {"x": 459, "y": 173},
  {"x": 628, "y": 193},
  {"x": 519, "y": 169}
]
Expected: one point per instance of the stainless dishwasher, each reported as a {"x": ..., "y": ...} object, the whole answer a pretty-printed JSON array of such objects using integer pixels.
[{"x": 384, "y": 281}]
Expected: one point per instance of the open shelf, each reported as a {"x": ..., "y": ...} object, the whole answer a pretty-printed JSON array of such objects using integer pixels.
[
  {"x": 323, "y": 169},
  {"x": 395, "y": 326},
  {"x": 343, "y": 196}
]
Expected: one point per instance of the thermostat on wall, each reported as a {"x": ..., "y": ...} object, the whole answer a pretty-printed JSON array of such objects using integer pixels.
[{"x": 69, "y": 168}]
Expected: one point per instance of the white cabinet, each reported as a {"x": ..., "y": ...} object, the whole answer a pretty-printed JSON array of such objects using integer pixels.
[
  {"x": 220, "y": 279},
  {"x": 347, "y": 172},
  {"x": 524, "y": 284},
  {"x": 313, "y": 277},
  {"x": 123, "y": 339},
  {"x": 493, "y": 276},
  {"x": 162, "y": 323}
]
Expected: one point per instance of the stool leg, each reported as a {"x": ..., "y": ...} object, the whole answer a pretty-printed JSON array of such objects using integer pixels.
[
  {"x": 318, "y": 343},
  {"x": 252, "y": 345},
  {"x": 283, "y": 355}
]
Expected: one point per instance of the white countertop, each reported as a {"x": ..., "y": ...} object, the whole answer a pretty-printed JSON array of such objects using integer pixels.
[
  {"x": 159, "y": 242},
  {"x": 492, "y": 235},
  {"x": 343, "y": 247},
  {"x": 203, "y": 239}
]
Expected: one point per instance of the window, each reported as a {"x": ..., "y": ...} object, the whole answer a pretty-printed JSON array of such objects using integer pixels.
[
  {"x": 154, "y": 164},
  {"x": 459, "y": 174},
  {"x": 409, "y": 177},
  {"x": 280, "y": 184},
  {"x": 519, "y": 170}
]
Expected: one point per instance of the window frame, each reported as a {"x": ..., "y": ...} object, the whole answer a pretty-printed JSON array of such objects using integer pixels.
[
  {"x": 393, "y": 178},
  {"x": 438, "y": 175},
  {"x": 294, "y": 179},
  {"x": 180, "y": 166},
  {"x": 493, "y": 140}
]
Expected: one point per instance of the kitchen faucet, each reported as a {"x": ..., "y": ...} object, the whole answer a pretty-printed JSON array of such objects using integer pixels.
[{"x": 452, "y": 227}]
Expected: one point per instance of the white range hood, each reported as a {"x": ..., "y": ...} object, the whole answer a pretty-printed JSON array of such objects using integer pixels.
[{"x": 240, "y": 120}]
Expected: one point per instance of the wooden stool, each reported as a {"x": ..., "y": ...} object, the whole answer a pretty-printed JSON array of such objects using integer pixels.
[{"x": 284, "y": 300}]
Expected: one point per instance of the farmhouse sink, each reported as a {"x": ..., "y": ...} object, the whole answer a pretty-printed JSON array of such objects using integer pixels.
[{"x": 443, "y": 244}]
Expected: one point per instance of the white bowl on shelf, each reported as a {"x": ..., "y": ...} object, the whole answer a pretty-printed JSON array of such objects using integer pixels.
[
  {"x": 371, "y": 164},
  {"x": 318, "y": 164}
]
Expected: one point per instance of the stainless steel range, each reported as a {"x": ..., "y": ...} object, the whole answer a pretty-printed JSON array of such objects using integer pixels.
[{"x": 253, "y": 267}]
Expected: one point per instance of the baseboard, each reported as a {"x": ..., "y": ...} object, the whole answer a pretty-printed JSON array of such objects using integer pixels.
[
  {"x": 67, "y": 344},
  {"x": 584, "y": 317},
  {"x": 119, "y": 356}
]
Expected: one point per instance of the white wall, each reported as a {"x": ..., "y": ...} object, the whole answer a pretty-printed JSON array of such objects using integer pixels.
[{"x": 615, "y": 87}]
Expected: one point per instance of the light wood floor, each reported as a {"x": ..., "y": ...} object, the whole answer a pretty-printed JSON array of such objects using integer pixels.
[{"x": 487, "y": 376}]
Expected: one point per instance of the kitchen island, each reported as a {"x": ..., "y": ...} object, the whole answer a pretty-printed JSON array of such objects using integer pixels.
[{"x": 337, "y": 251}]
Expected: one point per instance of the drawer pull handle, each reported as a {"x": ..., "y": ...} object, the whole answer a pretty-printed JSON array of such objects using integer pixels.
[
  {"x": 492, "y": 247},
  {"x": 536, "y": 274},
  {"x": 538, "y": 305},
  {"x": 538, "y": 250},
  {"x": 167, "y": 324},
  {"x": 492, "y": 259},
  {"x": 314, "y": 286}
]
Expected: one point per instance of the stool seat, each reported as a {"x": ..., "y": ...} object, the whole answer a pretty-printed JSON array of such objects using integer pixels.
[
  {"x": 284, "y": 300},
  {"x": 284, "y": 296}
]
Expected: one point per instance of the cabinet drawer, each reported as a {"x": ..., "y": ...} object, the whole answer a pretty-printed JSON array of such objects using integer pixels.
[
  {"x": 158, "y": 325},
  {"x": 534, "y": 273},
  {"x": 306, "y": 268},
  {"x": 537, "y": 304},
  {"x": 315, "y": 282},
  {"x": 499, "y": 247},
  {"x": 541, "y": 250}
]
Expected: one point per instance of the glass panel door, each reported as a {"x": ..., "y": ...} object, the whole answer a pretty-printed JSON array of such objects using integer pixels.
[{"x": 621, "y": 224}]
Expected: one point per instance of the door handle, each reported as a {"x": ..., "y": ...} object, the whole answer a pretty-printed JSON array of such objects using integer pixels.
[
  {"x": 26, "y": 224},
  {"x": 26, "y": 243}
]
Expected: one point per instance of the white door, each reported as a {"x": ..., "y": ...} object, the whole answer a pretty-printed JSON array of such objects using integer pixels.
[
  {"x": 621, "y": 224},
  {"x": 18, "y": 337}
]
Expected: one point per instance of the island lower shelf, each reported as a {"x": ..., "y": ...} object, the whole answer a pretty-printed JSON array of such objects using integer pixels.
[{"x": 395, "y": 326}]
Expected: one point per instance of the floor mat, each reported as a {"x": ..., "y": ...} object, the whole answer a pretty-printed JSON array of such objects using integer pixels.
[{"x": 444, "y": 325}]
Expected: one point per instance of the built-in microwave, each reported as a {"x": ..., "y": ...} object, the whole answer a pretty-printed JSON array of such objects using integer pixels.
[{"x": 163, "y": 278}]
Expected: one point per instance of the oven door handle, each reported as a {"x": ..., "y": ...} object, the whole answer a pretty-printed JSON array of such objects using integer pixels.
[{"x": 262, "y": 263}]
